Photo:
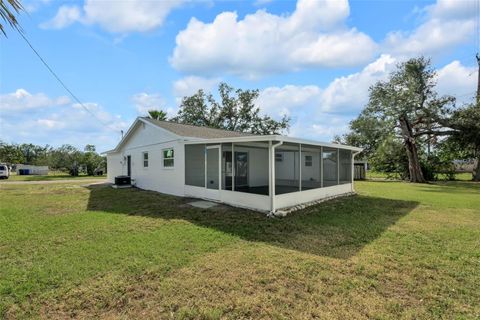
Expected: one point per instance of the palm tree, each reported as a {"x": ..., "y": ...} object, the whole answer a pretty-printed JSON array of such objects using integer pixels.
[
  {"x": 8, "y": 9},
  {"x": 157, "y": 115}
]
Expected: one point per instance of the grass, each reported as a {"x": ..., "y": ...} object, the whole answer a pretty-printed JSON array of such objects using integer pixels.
[
  {"x": 396, "y": 250},
  {"x": 49, "y": 177},
  {"x": 374, "y": 175}
]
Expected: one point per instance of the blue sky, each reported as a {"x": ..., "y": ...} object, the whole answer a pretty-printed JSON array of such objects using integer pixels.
[{"x": 312, "y": 60}]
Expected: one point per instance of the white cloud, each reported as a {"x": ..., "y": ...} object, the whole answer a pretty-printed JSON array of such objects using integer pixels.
[
  {"x": 145, "y": 101},
  {"x": 446, "y": 23},
  {"x": 116, "y": 16},
  {"x": 457, "y": 80},
  {"x": 43, "y": 120},
  {"x": 66, "y": 15},
  {"x": 322, "y": 112},
  {"x": 21, "y": 100},
  {"x": 190, "y": 85},
  {"x": 313, "y": 35},
  {"x": 343, "y": 94}
]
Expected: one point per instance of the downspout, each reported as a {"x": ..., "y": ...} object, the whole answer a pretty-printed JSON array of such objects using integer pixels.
[
  {"x": 272, "y": 175},
  {"x": 353, "y": 168}
]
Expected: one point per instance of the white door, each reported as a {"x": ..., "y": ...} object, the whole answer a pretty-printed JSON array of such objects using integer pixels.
[{"x": 212, "y": 172}]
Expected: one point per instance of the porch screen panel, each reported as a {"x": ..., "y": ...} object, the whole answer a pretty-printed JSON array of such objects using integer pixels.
[
  {"x": 330, "y": 167},
  {"x": 195, "y": 165},
  {"x": 287, "y": 170},
  {"x": 345, "y": 166},
  {"x": 310, "y": 162}
]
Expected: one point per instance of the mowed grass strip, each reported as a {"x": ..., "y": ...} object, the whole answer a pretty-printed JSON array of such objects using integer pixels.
[{"x": 396, "y": 250}]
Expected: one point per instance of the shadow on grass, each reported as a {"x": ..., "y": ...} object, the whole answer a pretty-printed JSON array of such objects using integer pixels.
[{"x": 338, "y": 228}]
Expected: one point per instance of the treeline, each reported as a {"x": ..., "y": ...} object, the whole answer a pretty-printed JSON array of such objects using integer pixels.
[
  {"x": 65, "y": 158},
  {"x": 407, "y": 129}
]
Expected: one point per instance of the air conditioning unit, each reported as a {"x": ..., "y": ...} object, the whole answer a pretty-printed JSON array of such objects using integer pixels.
[{"x": 123, "y": 180}]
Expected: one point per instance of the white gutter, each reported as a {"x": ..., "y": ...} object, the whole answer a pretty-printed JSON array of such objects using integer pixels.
[{"x": 272, "y": 175}]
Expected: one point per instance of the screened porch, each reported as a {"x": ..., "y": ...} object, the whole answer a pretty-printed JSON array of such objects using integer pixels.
[{"x": 265, "y": 168}]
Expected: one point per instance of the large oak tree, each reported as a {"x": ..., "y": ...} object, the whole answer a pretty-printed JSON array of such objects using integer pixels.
[{"x": 407, "y": 106}]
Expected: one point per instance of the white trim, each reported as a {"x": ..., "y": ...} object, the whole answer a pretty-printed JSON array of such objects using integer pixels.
[
  {"x": 163, "y": 158},
  {"x": 321, "y": 167},
  {"x": 271, "y": 182},
  {"x": 338, "y": 167},
  {"x": 130, "y": 131},
  {"x": 300, "y": 167},
  {"x": 233, "y": 167},
  {"x": 273, "y": 138}
]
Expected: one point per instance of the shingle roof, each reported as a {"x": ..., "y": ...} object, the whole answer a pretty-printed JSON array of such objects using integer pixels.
[{"x": 186, "y": 130}]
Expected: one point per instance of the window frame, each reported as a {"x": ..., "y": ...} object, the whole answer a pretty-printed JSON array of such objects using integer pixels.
[
  {"x": 278, "y": 157},
  {"x": 147, "y": 160},
  {"x": 169, "y": 158},
  {"x": 308, "y": 162}
]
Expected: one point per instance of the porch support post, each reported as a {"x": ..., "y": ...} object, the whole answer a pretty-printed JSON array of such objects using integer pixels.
[
  {"x": 271, "y": 186},
  {"x": 233, "y": 167},
  {"x": 338, "y": 166},
  {"x": 205, "y": 166},
  {"x": 300, "y": 167},
  {"x": 321, "y": 167},
  {"x": 271, "y": 174},
  {"x": 220, "y": 167}
]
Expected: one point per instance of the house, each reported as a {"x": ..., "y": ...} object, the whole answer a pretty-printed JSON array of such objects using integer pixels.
[{"x": 260, "y": 172}]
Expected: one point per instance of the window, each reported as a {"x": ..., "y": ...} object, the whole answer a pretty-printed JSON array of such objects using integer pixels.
[
  {"x": 308, "y": 161},
  {"x": 278, "y": 157},
  {"x": 168, "y": 160},
  {"x": 145, "y": 159}
]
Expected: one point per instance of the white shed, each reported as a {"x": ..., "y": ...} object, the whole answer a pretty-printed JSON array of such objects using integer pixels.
[{"x": 260, "y": 172}]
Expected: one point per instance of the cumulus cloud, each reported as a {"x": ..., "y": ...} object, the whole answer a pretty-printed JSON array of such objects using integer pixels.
[
  {"x": 115, "y": 16},
  {"x": 40, "y": 119},
  {"x": 457, "y": 80},
  {"x": 343, "y": 94},
  {"x": 446, "y": 23},
  {"x": 313, "y": 35},
  {"x": 21, "y": 100},
  {"x": 145, "y": 101},
  {"x": 188, "y": 86},
  {"x": 322, "y": 112},
  {"x": 66, "y": 15}
]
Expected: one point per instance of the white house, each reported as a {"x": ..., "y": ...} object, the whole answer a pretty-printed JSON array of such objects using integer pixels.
[{"x": 260, "y": 172}]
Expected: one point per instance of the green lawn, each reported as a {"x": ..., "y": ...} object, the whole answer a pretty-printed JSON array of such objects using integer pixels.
[
  {"x": 373, "y": 175},
  {"x": 49, "y": 177},
  {"x": 396, "y": 250}
]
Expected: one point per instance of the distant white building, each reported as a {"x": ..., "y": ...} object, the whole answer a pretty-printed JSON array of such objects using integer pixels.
[
  {"x": 26, "y": 169},
  {"x": 261, "y": 172}
]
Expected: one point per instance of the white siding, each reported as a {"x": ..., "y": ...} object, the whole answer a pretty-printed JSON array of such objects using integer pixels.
[
  {"x": 147, "y": 138},
  {"x": 115, "y": 166}
]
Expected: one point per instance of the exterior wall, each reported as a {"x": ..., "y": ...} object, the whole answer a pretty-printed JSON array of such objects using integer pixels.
[
  {"x": 288, "y": 168},
  {"x": 295, "y": 198},
  {"x": 146, "y": 138},
  {"x": 115, "y": 166},
  {"x": 234, "y": 198},
  {"x": 257, "y": 166}
]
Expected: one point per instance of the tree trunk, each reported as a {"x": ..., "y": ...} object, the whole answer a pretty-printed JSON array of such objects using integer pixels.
[
  {"x": 476, "y": 176},
  {"x": 414, "y": 169}
]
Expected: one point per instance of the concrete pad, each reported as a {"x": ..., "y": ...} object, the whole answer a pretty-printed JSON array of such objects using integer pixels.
[{"x": 203, "y": 204}]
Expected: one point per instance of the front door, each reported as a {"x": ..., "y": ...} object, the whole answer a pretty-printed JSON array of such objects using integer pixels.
[
  {"x": 213, "y": 172},
  {"x": 129, "y": 165}
]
